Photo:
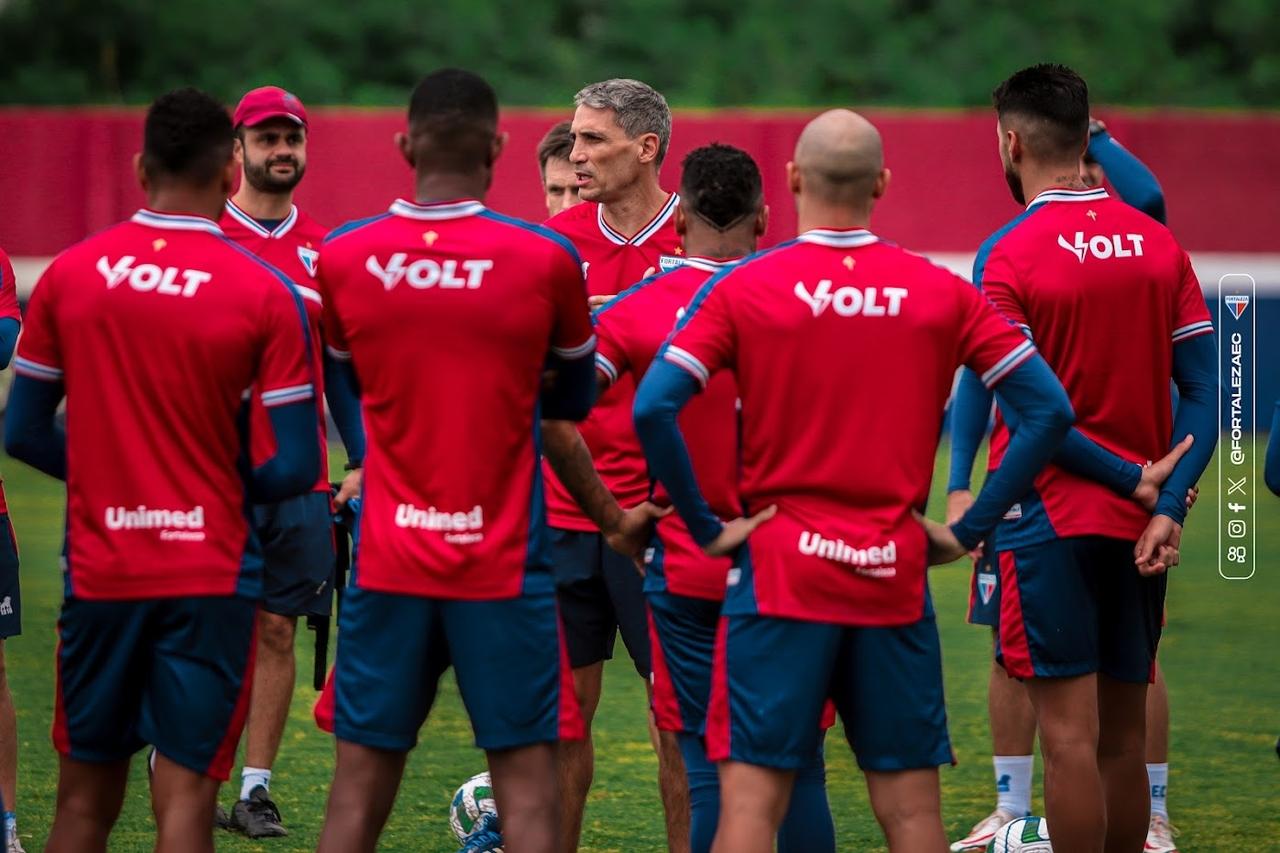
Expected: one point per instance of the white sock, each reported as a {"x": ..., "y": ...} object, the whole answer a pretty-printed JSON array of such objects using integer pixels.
[
  {"x": 1013, "y": 783},
  {"x": 1158, "y": 774},
  {"x": 252, "y": 777}
]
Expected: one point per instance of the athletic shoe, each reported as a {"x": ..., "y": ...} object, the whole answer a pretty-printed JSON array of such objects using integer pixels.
[
  {"x": 221, "y": 819},
  {"x": 983, "y": 831},
  {"x": 1160, "y": 835},
  {"x": 257, "y": 817},
  {"x": 13, "y": 845},
  {"x": 486, "y": 837}
]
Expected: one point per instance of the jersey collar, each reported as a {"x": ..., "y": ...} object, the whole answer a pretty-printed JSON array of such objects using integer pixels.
[
  {"x": 839, "y": 238},
  {"x": 437, "y": 210},
  {"x": 1061, "y": 194},
  {"x": 707, "y": 264},
  {"x": 285, "y": 226},
  {"x": 644, "y": 233},
  {"x": 175, "y": 221}
]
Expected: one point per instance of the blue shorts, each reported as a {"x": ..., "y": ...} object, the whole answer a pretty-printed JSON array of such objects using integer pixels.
[
  {"x": 172, "y": 672},
  {"x": 10, "y": 590},
  {"x": 1076, "y": 606},
  {"x": 600, "y": 594},
  {"x": 984, "y": 589},
  {"x": 682, "y": 636},
  {"x": 508, "y": 656},
  {"x": 298, "y": 554},
  {"x": 773, "y": 675}
]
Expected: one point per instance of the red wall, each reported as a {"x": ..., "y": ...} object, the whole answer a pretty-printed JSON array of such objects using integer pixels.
[{"x": 67, "y": 172}]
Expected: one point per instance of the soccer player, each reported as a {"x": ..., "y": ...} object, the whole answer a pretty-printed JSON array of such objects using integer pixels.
[
  {"x": 1078, "y": 259},
  {"x": 720, "y": 217},
  {"x": 559, "y": 183},
  {"x": 296, "y": 534},
  {"x": 448, "y": 315},
  {"x": 163, "y": 574},
  {"x": 624, "y": 232},
  {"x": 10, "y": 593},
  {"x": 843, "y": 348},
  {"x": 1012, "y": 717}
]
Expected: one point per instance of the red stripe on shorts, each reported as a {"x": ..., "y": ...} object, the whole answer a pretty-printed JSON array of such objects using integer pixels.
[
  {"x": 1013, "y": 633},
  {"x": 666, "y": 707},
  {"x": 324, "y": 708},
  {"x": 718, "y": 725},
  {"x": 220, "y": 766},
  {"x": 570, "y": 716}
]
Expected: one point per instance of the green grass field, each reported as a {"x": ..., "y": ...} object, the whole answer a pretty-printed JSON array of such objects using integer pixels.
[{"x": 1217, "y": 653}]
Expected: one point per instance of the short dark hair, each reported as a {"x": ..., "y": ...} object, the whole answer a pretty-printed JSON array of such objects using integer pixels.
[
  {"x": 187, "y": 137},
  {"x": 721, "y": 184},
  {"x": 556, "y": 145},
  {"x": 1055, "y": 100},
  {"x": 454, "y": 113}
]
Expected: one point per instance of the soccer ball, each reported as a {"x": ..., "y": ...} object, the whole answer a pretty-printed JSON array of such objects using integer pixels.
[
  {"x": 1023, "y": 835},
  {"x": 472, "y": 800}
]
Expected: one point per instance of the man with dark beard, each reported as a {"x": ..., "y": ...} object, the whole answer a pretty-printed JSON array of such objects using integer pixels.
[{"x": 296, "y": 534}]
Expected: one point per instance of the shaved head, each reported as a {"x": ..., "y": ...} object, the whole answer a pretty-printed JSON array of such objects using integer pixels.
[{"x": 840, "y": 158}]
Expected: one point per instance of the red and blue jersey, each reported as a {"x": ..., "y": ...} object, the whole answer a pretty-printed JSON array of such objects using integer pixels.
[
  {"x": 293, "y": 247},
  {"x": 611, "y": 263},
  {"x": 1106, "y": 292},
  {"x": 448, "y": 313},
  {"x": 844, "y": 348},
  {"x": 157, "y": 327},
  {"x": 630, "y": 330},
  {"x": 8, "y": 311}
]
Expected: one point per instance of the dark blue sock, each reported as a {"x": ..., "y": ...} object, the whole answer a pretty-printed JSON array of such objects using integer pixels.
[
  {"x": 807, "y": 827},
  {"x": 704, "y": 793}
]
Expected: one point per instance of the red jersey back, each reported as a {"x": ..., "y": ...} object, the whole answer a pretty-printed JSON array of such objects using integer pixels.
[
  {"x": 293, "y": 247},
  {"x": 630, "y": 330},
  {"x": 448, "y": 312},
  {"x": 157, "y": 327},
  {"x": 611, "y": 263},
  {"x": 1106, "y": 292},
  {"x": 8, "y": 310},
  {"x": 844, "y": 348}
]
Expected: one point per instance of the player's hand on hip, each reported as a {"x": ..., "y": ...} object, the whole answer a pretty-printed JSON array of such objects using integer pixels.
[
  {"x": 943, "y": 546},
  {"x": 594, "y": 302},
  {"x": 631, "y": 535},
  {"x": 350, "y": 488},
  {"x": 735, "y": 532},
  {"x": 1155, "y": 473},
  {"x": 958, "y": 503},
  {"x": 1157, "y": 549}
]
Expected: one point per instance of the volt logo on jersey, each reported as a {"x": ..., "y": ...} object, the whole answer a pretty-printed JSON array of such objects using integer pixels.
[
  {"x": 148, "y": 277},
  {"x": 851, "y": 301},
  {"x": 426, "y": 273},
  {"x": 1103, "y": 246}
]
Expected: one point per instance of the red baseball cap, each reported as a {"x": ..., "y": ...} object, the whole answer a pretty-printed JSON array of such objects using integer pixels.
[{"x": 269, "y": 102}]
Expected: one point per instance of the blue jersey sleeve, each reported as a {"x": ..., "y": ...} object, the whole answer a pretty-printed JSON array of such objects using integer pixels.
[
  {"x": 571, "y": 391},
  {"x": 1133, "y": 181},
  {"x": 342, "y": 391},
  {"x": 295, "y": 466},
  {"x": 32, "y": 433},
  {"x": 1195, "y": 371},
  {"x": 1044, "y": 414},
  {"x": 970, "y": 414},
  {"x": 663, "y": 392}
]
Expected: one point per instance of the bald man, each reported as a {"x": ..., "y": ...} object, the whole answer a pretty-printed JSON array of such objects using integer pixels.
[{"x": 843, "y": 348}]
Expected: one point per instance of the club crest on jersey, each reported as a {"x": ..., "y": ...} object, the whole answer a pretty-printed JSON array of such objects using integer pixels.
[
  {"x": 149, "y": 277},
  {"x": 1103, "y": 246},
  {"x": 850, "y": 301},
  {"x": 666, "y": 263},
  {"x": 1236, "y": 303},
  {"x": 309, "y": 257},
  {"x": 986, "y": 586}
]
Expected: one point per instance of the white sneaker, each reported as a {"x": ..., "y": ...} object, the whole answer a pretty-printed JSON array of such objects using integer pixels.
[
  {"x": 1160, "y": 835},
  {"x": 13, "y": 845},
  {"x": 983, "y": 831}
]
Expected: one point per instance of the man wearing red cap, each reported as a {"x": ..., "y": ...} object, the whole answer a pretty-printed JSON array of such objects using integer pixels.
[{"x": 296, "y": 534}]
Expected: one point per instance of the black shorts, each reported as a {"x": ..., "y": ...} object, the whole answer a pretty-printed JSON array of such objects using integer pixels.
[
  {"x": 600, "y": 593},
  {"x": 10, "y": 591},
  {"x": 298, "y": 554}
]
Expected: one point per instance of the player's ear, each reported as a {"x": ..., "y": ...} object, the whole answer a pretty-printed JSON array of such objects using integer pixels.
[
  {"x": 1013, "y": 142},
  {"x": 648, "y": 148},
  {"x": 139, "y": 171},
  {"x": 793, "y": 178},
  {"x": 680, "y": 222},
  {"x": 499, "y": 144},
  {"x": 882, "y": 184},
  {"x": 229, "y": 173},
  {"x": 237, "y": 149},
  {"x": 405, "y": 144},
  {"x": 762, "y": 220}
]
